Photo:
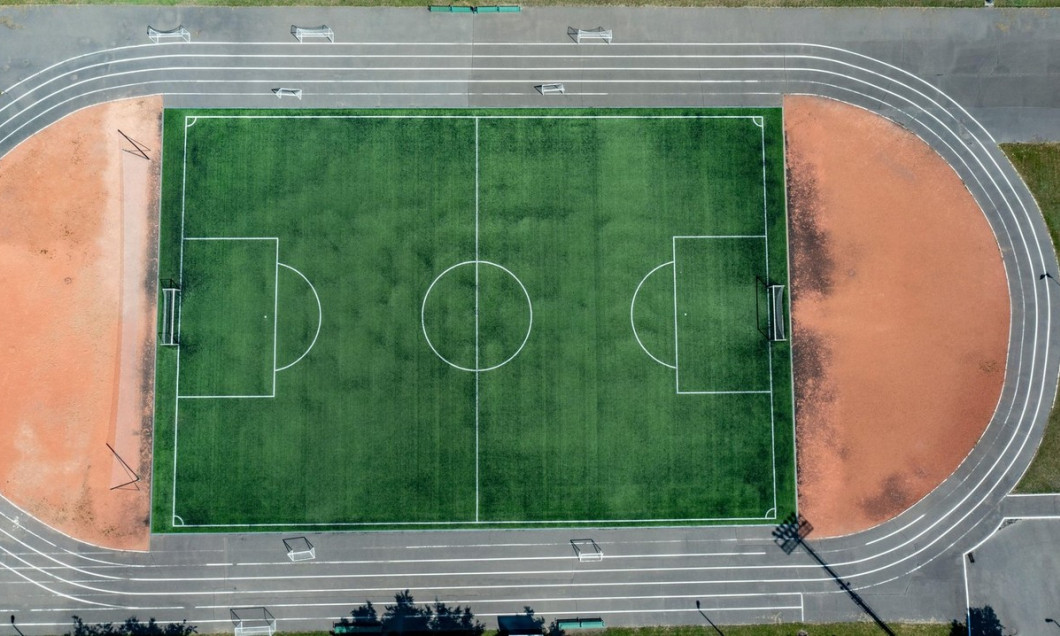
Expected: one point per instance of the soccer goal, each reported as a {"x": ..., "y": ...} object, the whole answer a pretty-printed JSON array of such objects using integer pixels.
[
  {"x": 777, "y": 332},
  {"x": 252, "y": 621},
  {"x": 157, "y": 35},
  {"x": 769, "y": 307},
  {"x": 555, "y": 88},
  {"x": 280, "y": 93},
  {"x": 587, "y": 550},
  {"x": 320, "y": 32},
  {"x": 585, "y": 35},
  {"x": 167, "y": 335},
  {"x": 299, "y": 549}
]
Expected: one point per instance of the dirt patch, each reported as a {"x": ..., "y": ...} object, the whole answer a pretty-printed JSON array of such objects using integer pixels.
[
  {"x": 77, "y": 248},
  {"x": 900, "y": 315}
]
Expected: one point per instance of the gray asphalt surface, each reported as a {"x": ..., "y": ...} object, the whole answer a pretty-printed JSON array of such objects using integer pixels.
[{"x": 1000, "y": 67}]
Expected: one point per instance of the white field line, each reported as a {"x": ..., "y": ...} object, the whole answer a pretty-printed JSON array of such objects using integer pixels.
[
  {"x": 275, "y": 314},
  {"x": 180, "y": 283},
  {"x": 760, "y": 392},
  {"x": 1021, "y": 233},
  {"x": 320, "y": 317},
  {"x": 899, "y": 530},
  {"x": 464, "y": 524},
  {"x": 231, "y": 238},
  {"x": 633, "y": 321},
  {"x": 677, "y": 349},
  {"x": 477, "y": 362},
  {"x": 760, "y": 122},
  {"x": 791, "y": 359}
]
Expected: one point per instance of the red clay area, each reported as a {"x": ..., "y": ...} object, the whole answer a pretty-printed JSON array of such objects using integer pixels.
[
  {"x": 77, "y": 330},
  {"x": 900, "y": 315}
]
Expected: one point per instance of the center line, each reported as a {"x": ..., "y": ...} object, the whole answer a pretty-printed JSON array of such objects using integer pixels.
[{"x": 477, "y": 365}]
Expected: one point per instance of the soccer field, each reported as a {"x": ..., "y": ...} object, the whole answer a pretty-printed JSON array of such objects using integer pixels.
[{"x": 453, "y": 319}]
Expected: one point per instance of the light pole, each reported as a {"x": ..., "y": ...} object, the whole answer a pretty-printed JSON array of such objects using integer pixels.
[
  {"x": 1049, "y": 620},
  {"x": 16, "y": 626},
  {"x": 708, "y": 619}
]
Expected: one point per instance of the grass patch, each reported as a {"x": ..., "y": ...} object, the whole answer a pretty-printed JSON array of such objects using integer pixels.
[
  {"x": 1039, "y": 165},
  {"x": 436, "y": 241}
]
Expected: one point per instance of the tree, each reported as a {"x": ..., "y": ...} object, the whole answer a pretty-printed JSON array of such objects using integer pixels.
[
  {"x": 457, "y": 620},
  {"x": 982, "y": 621},
  {"x": 404, "y": 617},
  {"x": 363, "y": 616},
  {"x": 132, "y": 627}
]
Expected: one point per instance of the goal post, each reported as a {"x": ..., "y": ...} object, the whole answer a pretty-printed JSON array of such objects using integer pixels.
[
  {"x": 252, "y": 621},
  {"x": 769, "y": 309},
  {"x": 777, "y": 330},
  {"x": 178, "y": 33},
  {"x": 299, "y": 549},
  {"x": 167, "y": 333},
  {"x": 585, "y": 35},
  {"x": 587, "y": 550},
  {"x": 320, "y": 32}
]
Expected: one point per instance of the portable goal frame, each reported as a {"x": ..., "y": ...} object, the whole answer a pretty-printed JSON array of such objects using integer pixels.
[
  {"x": 299, "y": 549},
  {"x": 599, "y": 33},
  {"x": 322, "y": 32},
  {"x": 252, "y": 621},
  {"x": 553, "y": 88},
  {"x": 280, "y": 93},
  {"x": 167, "y": 335},
  {"x": 157, "y": 35},
  {"x": 587, "y": 550}
]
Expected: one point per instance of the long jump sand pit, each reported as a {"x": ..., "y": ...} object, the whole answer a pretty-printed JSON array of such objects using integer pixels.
[
  {"x": 77, "y": 237},
  {"x": 900, "y": 315}
]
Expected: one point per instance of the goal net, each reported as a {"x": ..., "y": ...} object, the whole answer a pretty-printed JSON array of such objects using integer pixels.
[
  {"x": 587, "y": 550},
  {"x": 777, "y": 332},
  {"x": 253, "y": 621},
  {"x": 178, "y": 33},
  {"x": 322, "y": 32},
  {"x": 583, "y": 35},
  {"x": 167, "y": 334},
  {"x": 299, "y": 549}
]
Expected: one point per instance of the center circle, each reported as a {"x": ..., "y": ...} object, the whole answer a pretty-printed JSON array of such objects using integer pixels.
[{"x": 476, "y": 316}]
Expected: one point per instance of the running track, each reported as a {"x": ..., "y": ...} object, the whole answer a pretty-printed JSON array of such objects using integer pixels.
[{"x": 909, "y": 568}]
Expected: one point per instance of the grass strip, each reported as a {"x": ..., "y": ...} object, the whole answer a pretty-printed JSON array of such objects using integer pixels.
[{"x": 1039, "y": 165}]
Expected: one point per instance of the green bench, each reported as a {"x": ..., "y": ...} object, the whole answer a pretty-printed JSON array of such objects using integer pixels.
[
  {"x": 579, "y": 623},
  {"x": 499, "y": 8},
  {"x": 448, "y": 8}
]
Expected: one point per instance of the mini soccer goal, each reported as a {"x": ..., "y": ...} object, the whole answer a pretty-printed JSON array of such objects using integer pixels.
[
  {"x": 319, "y": 32},
  {"x": 299, "y": 549},
  {"x": 280, "y": 93},
  {"x": 554, "y": 88},
  {"x": 167, "y": 334},
  {"x": 588, "y": 35},
  {"x": 587, "y": 550},
  {"x": 178, "y": 33},
  {"x": 252, "y": 621}
]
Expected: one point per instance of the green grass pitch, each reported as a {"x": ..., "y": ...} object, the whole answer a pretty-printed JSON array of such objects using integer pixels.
[{"x": 453, "y": 319}]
